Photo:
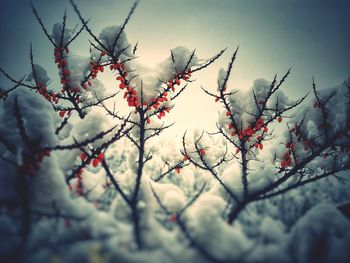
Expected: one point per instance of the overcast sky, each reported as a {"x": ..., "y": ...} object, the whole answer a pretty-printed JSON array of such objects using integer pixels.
[{"x": 311, "y": 36}]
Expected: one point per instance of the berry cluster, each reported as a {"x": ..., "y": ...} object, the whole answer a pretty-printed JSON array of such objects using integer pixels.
[
  {"x": 95, "y": 161},
  {"x": 49, "y": 96},
  {"x": 60, "y": 59},
  {"x": 248, "y": 133},
  {"x": 287, "y": 156}
]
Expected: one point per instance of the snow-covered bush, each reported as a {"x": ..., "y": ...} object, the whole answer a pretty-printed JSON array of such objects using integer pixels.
[{"x": 82, "y": 182}]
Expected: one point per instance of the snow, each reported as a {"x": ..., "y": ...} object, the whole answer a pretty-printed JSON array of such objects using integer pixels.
[
  {"x": 322, "y": 234},
  {"x": 172, "y": 196},
  {"x": 40, "y": 74},
  {"x": 57, "y": 34},
  {"x": 108, "y": 36},
  {"x": 207, "y": 225},
  {"x": 242, "y": 103},
  {"x": 260, "y": 235}
]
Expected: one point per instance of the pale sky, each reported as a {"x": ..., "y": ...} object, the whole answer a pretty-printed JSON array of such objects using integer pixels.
[{"x": 311, "y": 36}]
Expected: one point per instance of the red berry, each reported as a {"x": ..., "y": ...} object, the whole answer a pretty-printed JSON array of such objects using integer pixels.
[
  {"x": 95, "y": 162},
  {"x": 62, "y": 113},
  {"x": 100, "y": 156},
  {"x": 173, "y": 218},
  {"x": 279, "y": 119},
  {"x": 83, "y": 156},
  {"x": 202, "y": 152}
]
